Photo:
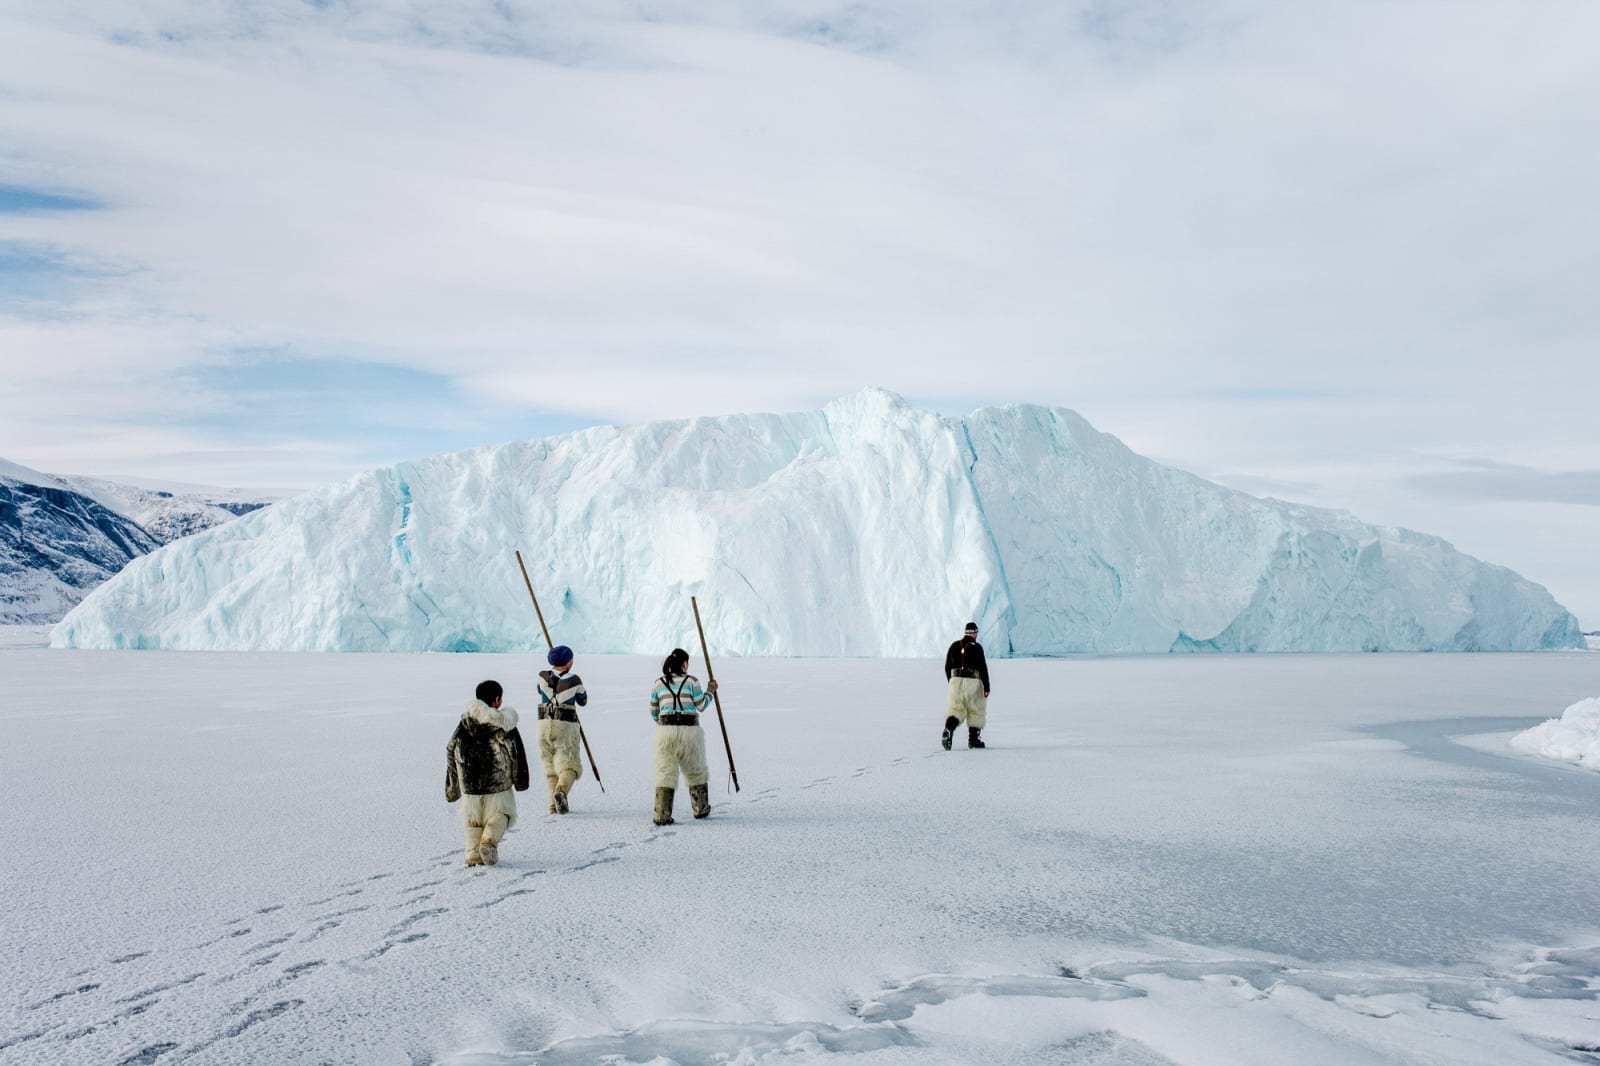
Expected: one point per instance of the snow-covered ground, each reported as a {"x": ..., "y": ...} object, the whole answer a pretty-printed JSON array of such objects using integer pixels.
[
  {"x": 24, "y": 637},
  {"x": 216, "y": 857}
]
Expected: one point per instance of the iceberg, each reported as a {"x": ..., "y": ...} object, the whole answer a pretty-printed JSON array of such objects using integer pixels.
[{"x": 869, "y": 528}]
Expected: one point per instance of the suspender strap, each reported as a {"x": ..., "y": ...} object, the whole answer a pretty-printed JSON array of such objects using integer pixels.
[{"x": 677, "y": 694}]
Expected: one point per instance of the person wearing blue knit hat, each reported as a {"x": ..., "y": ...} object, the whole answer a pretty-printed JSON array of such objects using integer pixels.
[{"x": 561, "y": 693}]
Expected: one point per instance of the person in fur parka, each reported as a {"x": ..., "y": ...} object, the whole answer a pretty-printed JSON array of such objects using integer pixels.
[{"x": 486, "y": 765}]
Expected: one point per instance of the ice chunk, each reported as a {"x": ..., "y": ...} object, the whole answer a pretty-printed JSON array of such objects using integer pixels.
[{"x": 1574, "y": 737}]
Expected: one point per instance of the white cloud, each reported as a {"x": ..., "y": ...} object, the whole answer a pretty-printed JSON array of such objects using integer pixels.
[{"x": 696, "y": 208}]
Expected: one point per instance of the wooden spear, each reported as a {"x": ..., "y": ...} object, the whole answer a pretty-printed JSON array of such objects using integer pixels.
[
  {"x": 706, "y": 655},
  {"x": 550, "y": 644}
]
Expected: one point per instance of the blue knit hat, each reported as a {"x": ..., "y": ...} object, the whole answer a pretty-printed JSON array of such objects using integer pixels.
[{"x": 560, "y": 655}]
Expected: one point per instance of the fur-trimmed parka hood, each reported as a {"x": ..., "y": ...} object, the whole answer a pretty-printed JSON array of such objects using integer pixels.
[{"x": 502, "y": 717}]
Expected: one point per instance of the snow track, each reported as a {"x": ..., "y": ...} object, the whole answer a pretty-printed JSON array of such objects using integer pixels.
[{"x": 265, "y": 963}]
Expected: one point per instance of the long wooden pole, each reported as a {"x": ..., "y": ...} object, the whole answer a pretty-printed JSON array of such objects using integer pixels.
[
  {"x": 706, "y": 655},
  {"x": 550, "y": 644}
]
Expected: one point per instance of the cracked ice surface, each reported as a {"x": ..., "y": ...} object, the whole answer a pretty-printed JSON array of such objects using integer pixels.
[
  {"x": 869, "y": 528},
  {"x": 1165, "y": 860}
]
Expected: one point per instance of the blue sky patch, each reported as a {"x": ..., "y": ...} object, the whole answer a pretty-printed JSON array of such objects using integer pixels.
[
  {"x": 22, "y": 200},
  {"x": 380, "y": 413},
  {"x": 35, "y": 277}
]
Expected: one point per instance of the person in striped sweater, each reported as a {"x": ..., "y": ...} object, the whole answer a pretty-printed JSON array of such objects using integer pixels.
[
  {"x": 561, "y": 693},
  {"x": 675, "y": 704}
]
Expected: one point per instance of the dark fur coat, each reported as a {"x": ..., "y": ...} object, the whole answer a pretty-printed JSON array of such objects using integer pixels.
[{"x": 485, "y": 754}]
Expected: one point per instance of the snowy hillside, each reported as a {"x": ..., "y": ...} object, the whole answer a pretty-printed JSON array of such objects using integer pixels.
[
  {"x": 60, "y": 537},
  {"x": 869, "y": 528},
  {"x": 168, "y": 512},
  {"x": 56, "y": 545}
]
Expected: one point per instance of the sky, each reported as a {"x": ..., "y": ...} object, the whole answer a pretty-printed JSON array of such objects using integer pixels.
[{"x": 1342, "y": 254}]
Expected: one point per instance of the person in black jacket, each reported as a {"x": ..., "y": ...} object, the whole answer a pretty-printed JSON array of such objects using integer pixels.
[
  {"x": 967, "y": 673},
  {"x": 485, "y": 766}
]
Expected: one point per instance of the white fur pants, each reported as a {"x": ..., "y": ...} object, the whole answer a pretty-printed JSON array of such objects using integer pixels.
[
  {"x": 680, "y": 747},
  {"x": 558, "y": 751},
  {"x": 967, "y": 701},
  {"x": 488, "y": 817}
]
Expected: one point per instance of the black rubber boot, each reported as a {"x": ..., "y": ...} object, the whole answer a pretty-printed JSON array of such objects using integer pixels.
[
  {"x": 700, "y": 800},
  {"x": 664, "y": 806},
  {"x": 949, "y": 731},
  {"x": 973, "y": 740}
]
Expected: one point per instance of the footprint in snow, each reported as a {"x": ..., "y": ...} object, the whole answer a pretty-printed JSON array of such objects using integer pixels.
[
  {"x": 254, "y": 1018},
  {"x": 25, "y": 1037},
  {"x": 137, "y": 1009},
  {"x": 502, "y": 898},
  {"x": 415, "y": 918},
  {"x": 388, "y": 946},
  {"x": 596, "y": 862},
  {"x": 271, "y": 942},
  {"x": 253, "y": 966},
  {"x": 316, "y": 934},
  {"x": 148, "y": 1055},
  {"x": 358, "y": 883},
  {"x": 158, "y": 989},
  {"x": 80, "y": 990},
  {"x": 336, "y": 895}
]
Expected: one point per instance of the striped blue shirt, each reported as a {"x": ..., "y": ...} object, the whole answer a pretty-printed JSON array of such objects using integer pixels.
[
  {"x": 561, "y": 690},
  {"x": 683, "y": 696}
]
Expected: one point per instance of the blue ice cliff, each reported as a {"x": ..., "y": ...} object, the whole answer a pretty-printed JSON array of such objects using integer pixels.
[{"x": 869, "y": 528}]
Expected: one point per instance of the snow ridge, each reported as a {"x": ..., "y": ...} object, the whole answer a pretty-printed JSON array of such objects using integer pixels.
[{"x": 868, "y": 528}]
